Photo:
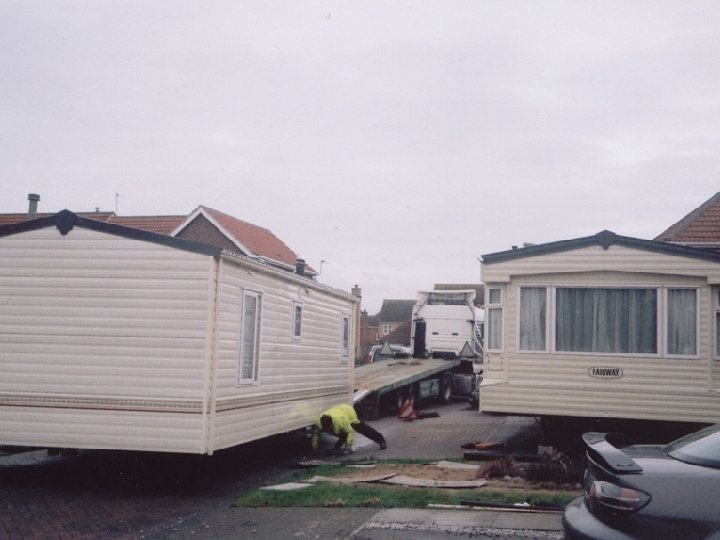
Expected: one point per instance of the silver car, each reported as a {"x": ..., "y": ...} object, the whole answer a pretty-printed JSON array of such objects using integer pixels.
[{"x": 649, "y": 491}]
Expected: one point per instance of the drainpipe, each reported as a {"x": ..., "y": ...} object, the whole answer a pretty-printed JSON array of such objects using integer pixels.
[{"x": 32, "y": 206}]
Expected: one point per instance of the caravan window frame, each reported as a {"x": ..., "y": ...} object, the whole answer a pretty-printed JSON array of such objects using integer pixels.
[
  {"x": 494, "y": 310},
  {"x": 545, "y": 314},
  {"x": 666, "y": 323},
  {"x": 297, "y": 321},
  {"x": 345, "y": 338},
  {"x": 662, "y": 334},
  {"x": 254, "y": 377},
  {"x": 657, "y": 336}
]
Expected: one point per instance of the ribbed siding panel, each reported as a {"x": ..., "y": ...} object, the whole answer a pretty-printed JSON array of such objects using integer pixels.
[
  {"x": 610, "y": 402},
  {"x": 102, "y": 321},
  {"x": 297, "y": 379},
  {"x": 120, "y": 430}
]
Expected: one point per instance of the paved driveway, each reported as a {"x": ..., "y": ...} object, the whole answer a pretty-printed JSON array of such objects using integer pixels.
[
  {"x": 149, "y": 495},
  {"x": 128, "y": 494}
]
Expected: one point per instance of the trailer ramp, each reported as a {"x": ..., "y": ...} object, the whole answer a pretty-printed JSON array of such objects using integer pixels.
[{"x": 372, "y": 381}]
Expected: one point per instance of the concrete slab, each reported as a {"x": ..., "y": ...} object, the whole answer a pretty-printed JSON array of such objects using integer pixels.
[
  {"x": 543, "y": 521},
  {"x": 403, "y": 515},
  {"x": 464, "y": 518}
]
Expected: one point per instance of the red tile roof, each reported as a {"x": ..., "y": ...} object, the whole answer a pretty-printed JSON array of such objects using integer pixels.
[
  {"x": 11, "y": 219},
  {"x": 156, "y": 224},
  {"x": 257, "y": 240},
  {"x": 701, "y": 226}
]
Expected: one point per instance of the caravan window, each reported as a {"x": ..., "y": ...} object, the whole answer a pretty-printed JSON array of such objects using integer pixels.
[
  {"x": 606, "y": 320},
  {"x": 250, "y": 338},
  {"x": 297, "y": 321},
  {"x": 682, "y": 322},
  {"x": 533, "y": 317},
  {"x": 494, "y": 311},
  {"x": 345, "y": 338}
]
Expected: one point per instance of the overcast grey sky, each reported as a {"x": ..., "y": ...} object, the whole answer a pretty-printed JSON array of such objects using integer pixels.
[{"x": 398, "y": 141}]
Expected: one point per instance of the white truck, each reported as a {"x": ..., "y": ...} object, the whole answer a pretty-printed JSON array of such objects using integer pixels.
[{"x": 446, "y": 324}]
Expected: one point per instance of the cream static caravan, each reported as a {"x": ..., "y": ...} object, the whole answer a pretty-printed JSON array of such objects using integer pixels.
[
  {"x": 603, "y": 326},
  {"x": 116, "y": 338}
]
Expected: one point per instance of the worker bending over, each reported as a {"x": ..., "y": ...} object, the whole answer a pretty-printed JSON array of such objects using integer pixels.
[{"x": 342, "y": 422}]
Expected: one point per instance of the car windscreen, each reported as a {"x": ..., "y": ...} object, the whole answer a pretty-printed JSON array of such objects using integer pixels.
[{"x": 700, "y": 448}]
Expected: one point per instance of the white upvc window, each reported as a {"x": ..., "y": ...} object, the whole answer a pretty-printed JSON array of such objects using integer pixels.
[
  {"x": 494, "y": 312},
  {"x": 297, "y": 321},
  {"x": 637, "y": 321},
  {"x": 249, "y": 361},
  {"x": 532, "y": 323},
  {"x": 606, "y": 320},
  {"x": 345, "y": 339},
  {"x": 681, "y": 322},
  {"x": 387, "y": 328}
]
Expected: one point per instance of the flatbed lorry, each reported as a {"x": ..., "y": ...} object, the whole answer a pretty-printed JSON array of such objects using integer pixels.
[
  {"x": 446, "y": 361},
  {"x": 384, "y": 386}
]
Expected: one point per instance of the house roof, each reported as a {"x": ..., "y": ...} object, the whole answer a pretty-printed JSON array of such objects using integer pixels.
[
  {"x": 701, "y": 226},
  {"x": 11, "y": 219},
  {"x": 605, "y": 239},
  {"x": 157, "y": 224},
  {"x": 396, "y": 310},
  {"x": 250, "y": 239}
]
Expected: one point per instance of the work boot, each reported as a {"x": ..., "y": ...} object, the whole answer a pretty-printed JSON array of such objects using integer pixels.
[{"x": 383, "y": 445}]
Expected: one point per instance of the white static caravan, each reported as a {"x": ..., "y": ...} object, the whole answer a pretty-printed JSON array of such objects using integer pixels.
[
  {"x": 603, "y": 326},
  {"x": 116, "y": 338}
]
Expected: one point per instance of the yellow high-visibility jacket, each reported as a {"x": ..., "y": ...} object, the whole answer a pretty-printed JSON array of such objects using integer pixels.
[{"x": 343, "y": 416}]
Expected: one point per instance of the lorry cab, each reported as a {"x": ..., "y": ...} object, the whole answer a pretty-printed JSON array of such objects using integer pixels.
[{"x": 446, "y": 324}]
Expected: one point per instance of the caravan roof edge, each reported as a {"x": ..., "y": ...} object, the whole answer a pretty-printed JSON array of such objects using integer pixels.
[{"x": 65, "y": 221}]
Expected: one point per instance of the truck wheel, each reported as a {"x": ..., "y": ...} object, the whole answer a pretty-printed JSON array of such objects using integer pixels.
[{"x": 445, "y": 388}]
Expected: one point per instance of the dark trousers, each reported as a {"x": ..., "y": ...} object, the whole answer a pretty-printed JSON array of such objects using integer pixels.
[{"x": 370, "y": 433}]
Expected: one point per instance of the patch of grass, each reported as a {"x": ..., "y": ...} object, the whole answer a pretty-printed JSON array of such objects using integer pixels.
[
  {"x": 325, "y": 494},
  {"x": 389, "y": 496}
]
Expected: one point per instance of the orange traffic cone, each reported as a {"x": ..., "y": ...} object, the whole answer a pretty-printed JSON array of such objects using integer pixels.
[{"x": 407, "y": 412}]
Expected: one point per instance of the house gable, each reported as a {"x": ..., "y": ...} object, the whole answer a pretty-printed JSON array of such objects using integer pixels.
[
  {"x": 201, "y": 229},
  {"x": 237, "y": 235}
]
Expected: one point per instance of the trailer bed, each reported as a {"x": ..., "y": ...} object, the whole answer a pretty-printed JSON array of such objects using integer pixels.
[{"x": 388, "y": 375}]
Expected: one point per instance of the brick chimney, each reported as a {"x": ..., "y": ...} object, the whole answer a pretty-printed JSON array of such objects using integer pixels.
[{"x": 300, "y": 267}]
